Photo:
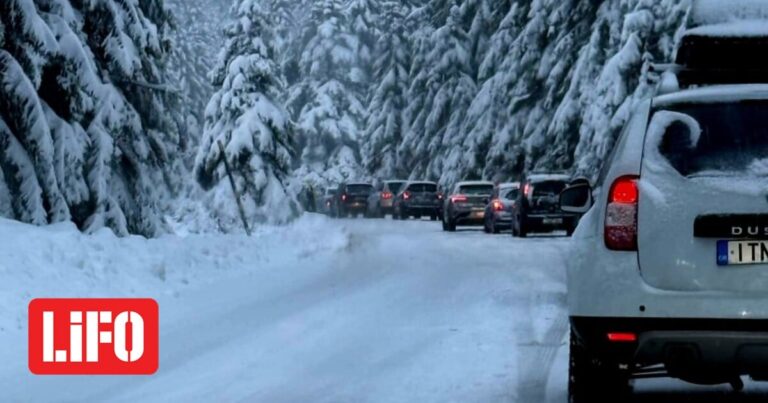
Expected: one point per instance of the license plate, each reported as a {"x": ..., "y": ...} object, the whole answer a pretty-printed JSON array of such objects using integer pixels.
[
  {"x": 742, "y": 252},
  {"x": 553, "y": 221},
  {"x": 478, "y": 214}
]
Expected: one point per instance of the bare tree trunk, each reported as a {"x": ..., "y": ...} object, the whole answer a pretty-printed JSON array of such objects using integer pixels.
[{"x": 234, "y": 189}]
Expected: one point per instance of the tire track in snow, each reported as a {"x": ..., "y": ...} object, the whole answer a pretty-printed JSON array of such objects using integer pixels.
[{"x": 538, "y": 352}]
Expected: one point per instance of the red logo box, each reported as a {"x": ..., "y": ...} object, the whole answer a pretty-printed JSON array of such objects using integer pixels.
[{"x": 93, "y": 336}]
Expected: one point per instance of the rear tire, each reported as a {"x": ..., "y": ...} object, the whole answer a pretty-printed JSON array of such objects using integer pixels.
[
  {"x": 451, "y": 225},
  {"x": 494, "y": 228},
  {"x": 486, "y": 227},
  {"x": 592, "y": 380},
  {"x": 433, "y": 217},
  {"x": 522, "y": 229}
]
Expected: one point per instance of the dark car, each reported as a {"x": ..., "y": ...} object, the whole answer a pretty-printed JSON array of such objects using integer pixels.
[
  {"x": 538, "y": 206},
  {"x": 418, "y": 199},
  {"x": 466, "y": 204},
  {"x": 329, "y": 201},
  {"x": 498, "y": 213},
  {"x": 352, "y": 199},
  {"x": 380, "y": 203}
]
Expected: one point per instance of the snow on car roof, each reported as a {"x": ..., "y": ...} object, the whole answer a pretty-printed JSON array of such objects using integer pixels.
[
  {"x": 475, "y": 183},
  {"x": 734, "y": 29},
  {"x": 510, "y": 185},
  {"x": 712, "y": 12},
  {"x": 715, "y": 93},
  {"x": 548, "y": 177},
  {"x": 422, "y": 183}
]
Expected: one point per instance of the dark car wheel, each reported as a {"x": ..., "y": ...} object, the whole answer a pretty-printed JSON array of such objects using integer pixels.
[
  {"x": 451, "y": 225},
  {"x": 433, "y": 217},
  {"x": 494, "y": 229},
  {"x": 522, "y": 228},
  {"x": 486, "y": 227},
  {"x": 403, "y": 214},
  {"x": 592, "y": 380}
]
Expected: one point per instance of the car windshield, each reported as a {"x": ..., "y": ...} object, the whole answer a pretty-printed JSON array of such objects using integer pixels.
[
  {"x": 359, "y": 189},
  {"x": 423, "y": 188},
  {"x": 732, "y": 139},
  {"x": 394, "y": 187},
  {"x": 548, "y": 188},
  {"x": 476, "y": 189}
]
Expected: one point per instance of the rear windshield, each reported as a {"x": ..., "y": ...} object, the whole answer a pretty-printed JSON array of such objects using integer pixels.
[
  {"x": 423, "y": 188},
  {"x": 548, "y": 188},
  {"x": 732, "y": 139},
  {"x": 511, "y": 194},
  {"x": 394, "y": 187},
  {"x": 360, "y": 189},
  {"x": 476, "y": 189}
]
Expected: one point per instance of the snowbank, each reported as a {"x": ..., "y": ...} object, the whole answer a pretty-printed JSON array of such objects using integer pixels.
[{"x": 60, "y": 261}]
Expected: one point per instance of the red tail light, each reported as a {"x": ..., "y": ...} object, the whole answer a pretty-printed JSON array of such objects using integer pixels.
[
  {"x": 622, "y": 337},
  {"x": 621, "y": 215},
  {"x": 386, "y": 195},
  {"x": 528, "y": 190},
  {"x": 498, "y": 205},
  {"x": 406, "y": 195},
  {"x": 459, "y": 199},
  {"x": 344, "y": 197},
  {"x": 439, "y": 196}
]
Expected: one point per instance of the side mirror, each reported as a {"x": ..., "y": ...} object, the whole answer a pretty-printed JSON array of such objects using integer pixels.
[{"x": 576, "y": 198}]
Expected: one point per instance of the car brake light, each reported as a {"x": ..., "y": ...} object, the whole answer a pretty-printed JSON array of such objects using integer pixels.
[
  {"x": 439, "y": 196},
  {"x": 459, "y": 199},
  {"x": 621, "y": 215},
  {"x": 386, "y": 195},
  {"x": 344, "y": 197},
  {"x": 406, "y": 195},
  {"x": 528, "y": 190},
  {"x": 622, "y": 337},
  {"x": 497, "y": 205}
]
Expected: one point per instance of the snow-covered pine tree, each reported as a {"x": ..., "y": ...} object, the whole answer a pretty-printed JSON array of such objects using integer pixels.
[
  {"x": 435, "y": 131},
  {"x": 364, "y": 18},
  {"x": 245, "y": 116},
  {"x": 197, "y": 36},
  {"x": 604, "y": 91},
  {"x": 486, "y": 114},
  {"x": 326, "y": 102},
  {"x": 87, "y": 119},
  {"x": 386, "y": 124}
]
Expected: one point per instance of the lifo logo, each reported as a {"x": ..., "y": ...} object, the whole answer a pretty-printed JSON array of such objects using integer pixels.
[{"x": 93, "y": 336}]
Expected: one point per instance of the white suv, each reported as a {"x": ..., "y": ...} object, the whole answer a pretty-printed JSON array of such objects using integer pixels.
[{"x": 669, "y": 275}]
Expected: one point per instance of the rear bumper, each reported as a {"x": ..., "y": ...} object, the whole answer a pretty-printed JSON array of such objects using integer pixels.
[
  {"x": 550, "y": 221},
  {"x": 354, "y": 207},
  {"x": 421, "y": 210},
  {"x": 503, "y": 219},
  {"x": 466, "y": 217},
  {"x": 697, "y": 350}
]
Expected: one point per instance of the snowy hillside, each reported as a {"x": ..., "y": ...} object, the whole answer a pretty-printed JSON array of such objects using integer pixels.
[
  {"x": 104, "y": 109},
  {"x": 476, "y": 88}
]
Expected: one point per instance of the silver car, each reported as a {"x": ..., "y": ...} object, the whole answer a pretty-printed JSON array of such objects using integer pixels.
[{"x": 498, "y": 213}]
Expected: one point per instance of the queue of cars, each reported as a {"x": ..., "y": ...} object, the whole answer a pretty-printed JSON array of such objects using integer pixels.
[{"x": 531, "y": 205}]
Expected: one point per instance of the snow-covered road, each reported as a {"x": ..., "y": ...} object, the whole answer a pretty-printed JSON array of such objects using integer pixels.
[{"x": 359, "y": 311}]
